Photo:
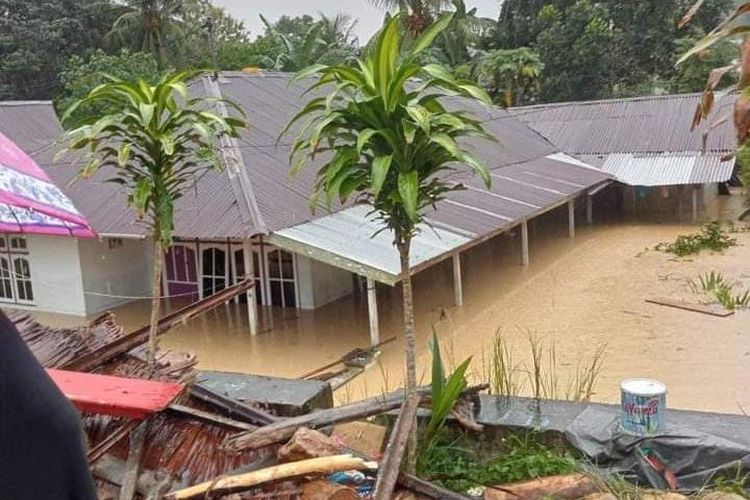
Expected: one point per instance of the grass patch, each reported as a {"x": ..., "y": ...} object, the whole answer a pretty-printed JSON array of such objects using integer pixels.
[
  {"x": 461, "y": 464},
  {"x": 712, "y": 236}
]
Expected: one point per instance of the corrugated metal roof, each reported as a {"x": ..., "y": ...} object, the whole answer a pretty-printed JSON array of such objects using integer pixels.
[
  {"x": 652, "y": 124},
  {"x": 354, "y": 239},
  {"x": 667, "y": 169},
  {"x": 527, "y": 177}
]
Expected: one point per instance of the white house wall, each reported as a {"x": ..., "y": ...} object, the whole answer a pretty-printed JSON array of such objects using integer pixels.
[
  {"x": 55, "y": 275},
  {"x": 111, "y": 276},
  {"x": 320, "y": 284}
]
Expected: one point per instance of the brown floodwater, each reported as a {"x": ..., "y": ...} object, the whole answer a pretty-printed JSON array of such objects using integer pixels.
[{"x": 578, "y": 294}]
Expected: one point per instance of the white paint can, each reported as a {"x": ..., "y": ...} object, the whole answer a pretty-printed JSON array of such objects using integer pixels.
[{"x": 644, "y": 403}]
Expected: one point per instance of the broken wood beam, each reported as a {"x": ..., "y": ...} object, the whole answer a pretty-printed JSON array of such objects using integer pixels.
[
  {"x": 284, "y": 429},
  {"x": 394, "y": 452},
  {"x": 133, "y": 464},
  {"x": 112, "y": 470},
  {"x": 125, "y": 429},
  {"x": 344, "y": 357},
  {"x": 243, "y": 482},
  {"x": 134, "y": 339},
  {"x": 211, "y": 418},
  {"x": 688, "y": 306},
  {"x": 561, "y": 486},
  {"x": 232, "y": 407}
]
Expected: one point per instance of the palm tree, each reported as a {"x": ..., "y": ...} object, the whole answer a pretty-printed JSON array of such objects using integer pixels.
[
  {"x": 148, "y": 24},
  {"x": 155, "y": 141},
  {"x": 389, "y": 140},
  {"x": 417, "y": 14},
  {"x": 511, "y": 76}
]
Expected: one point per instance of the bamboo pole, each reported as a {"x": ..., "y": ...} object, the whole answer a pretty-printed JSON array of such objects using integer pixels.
[{"x": 243, "y": 482}]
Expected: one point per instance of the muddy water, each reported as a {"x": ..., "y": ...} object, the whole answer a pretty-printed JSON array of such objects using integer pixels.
[{"x": 582, "y": 293}]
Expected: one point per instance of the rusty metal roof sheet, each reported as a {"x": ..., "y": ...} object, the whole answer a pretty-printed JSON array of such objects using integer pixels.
[
  {"x": 651, "y": 124},
  {"x": 527, "y": 177}
]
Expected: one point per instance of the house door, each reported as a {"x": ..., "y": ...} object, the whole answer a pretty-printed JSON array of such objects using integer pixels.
[
  {"x": 181, "y": 271},
  {"x": 214, "y": 270}
]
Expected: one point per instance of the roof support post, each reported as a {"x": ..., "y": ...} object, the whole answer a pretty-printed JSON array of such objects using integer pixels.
[
  {"x": 695, "y": 204},
  {"x": 572, "y": 218},
  {"x": 252, "y": 303},
  {"x": 372, "y": 310},
  {"x": 589, "y": 209},
  {"x": 458, "y": 290},
  {"x": 524, "y": 243}
]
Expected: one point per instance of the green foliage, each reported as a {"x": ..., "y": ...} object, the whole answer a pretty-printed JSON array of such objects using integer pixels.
[
  {"x": 37, "y": 37},
  {"x": 383, "y": 140},
  {"x": 598, "y": 49},
  {"x": 712, "y": 236},
  {"x": 155, "y": 142},
  {"x": 738, "y": 483},
  {"x": 460, "y": 464},
  {"x": 716, "y": 286},
  {"x": 510, "y": 76},
  {"x": 444, "y": 394},
  {"x": 82, "y": 75}
]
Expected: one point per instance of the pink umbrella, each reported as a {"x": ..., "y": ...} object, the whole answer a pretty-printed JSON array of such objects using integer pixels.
[{"x": 30, "y": 202}]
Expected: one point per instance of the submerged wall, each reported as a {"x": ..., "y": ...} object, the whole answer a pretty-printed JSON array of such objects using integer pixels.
[
  {"x": 113, "y": 271},
  {"x": 55, "y": 276},
  {"x": 320, "y": 284}
]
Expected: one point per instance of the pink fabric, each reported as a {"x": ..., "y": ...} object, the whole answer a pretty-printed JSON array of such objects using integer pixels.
[{"x": 24, "y": 185}]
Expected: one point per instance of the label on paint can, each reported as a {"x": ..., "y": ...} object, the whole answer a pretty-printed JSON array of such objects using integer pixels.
[{"x": 643, "y": 406}]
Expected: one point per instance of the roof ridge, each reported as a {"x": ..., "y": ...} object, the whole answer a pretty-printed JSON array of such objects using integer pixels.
[{"x": 560, "y": 104}]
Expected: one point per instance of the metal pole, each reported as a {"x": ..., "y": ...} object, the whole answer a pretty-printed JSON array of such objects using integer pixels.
[
  {"x": 252, "y": 304},
  {"x": 572, "y": 218},
  {"x": 525, "y": 243},
  {"x": 372, "y": 309},
  {"x": 589, "y": 210},
  {"x": 458, "y": 290}
]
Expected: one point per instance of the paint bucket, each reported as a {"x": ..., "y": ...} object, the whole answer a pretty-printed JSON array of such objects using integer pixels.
[{"x": 644, "y": 402}]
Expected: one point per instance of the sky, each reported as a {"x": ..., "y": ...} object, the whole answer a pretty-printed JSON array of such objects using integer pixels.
[{"x": 369, "y": 17}]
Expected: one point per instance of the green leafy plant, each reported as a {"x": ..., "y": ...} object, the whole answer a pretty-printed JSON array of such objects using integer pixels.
[
  {"x": 712, "y": 236},
  {"x": 719, "y": 289},
  {"x": 384, "y": 136},
  {"x": 444, "y": 393},
  {"x": 155, "y": 142}
]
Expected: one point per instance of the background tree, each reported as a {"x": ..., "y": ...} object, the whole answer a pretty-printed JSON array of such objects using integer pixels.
[
  {"x": 37, "y": 37},
  {"x": 388, "y": 139},
  {"x": 417, "y": 15},
  {"x": 510, "y": 76},
  {"x": 154, "y": 143},
  {"x": 149, "y": 26},
  {"x": 82, "y": 75}
]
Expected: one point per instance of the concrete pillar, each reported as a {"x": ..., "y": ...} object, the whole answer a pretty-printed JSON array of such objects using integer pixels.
[
  {"x": 572, "y": 218},
  {"x": 524, "y": 243},
  {"x": 695, "y": 204},
  {"x": 372, "y": 310},
  {"x": 589, "y": 209},
  {"x": 252, "y": 303},
  {"x": 458, "y": 290}
]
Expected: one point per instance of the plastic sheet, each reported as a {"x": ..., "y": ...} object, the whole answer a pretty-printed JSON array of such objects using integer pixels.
[{"x": 681, "y": 457}]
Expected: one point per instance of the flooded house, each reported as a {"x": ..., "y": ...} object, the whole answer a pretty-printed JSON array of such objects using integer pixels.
[
  {"x": 662, "y": 166},
  {"x": 253, "y": 219}
]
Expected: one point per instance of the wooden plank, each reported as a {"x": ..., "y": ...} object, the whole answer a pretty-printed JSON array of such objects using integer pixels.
[
  {"x": 394, "y": 453},
  {"x": 96, "y": 453},
  {"x": 690, "y": 306},
  {"x": 231, "y": 407},
  {"x": 115, "y": 396},
  {"x": 211, "y": 418},
  {"x": 133, "y": 464}
]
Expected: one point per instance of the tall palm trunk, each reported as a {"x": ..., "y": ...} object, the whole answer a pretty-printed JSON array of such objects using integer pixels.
[
  {"x": 404, "y": 248},
  {"x": 153, "y": 341}
]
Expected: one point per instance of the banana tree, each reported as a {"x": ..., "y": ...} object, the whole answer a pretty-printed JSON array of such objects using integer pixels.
[
  {"x": 155, "y": 144},
  {"x": 387, "y": 138}
]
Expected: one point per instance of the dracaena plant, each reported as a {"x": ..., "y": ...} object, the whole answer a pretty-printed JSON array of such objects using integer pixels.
[
  {"x": 388, "y": 138},
  {"x": 154, "y": 144}
]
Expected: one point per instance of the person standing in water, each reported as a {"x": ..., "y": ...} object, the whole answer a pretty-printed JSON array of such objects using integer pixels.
[{"x": 42, "y": 450}]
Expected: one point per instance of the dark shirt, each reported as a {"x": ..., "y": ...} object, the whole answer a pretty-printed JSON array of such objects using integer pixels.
[{"x": 42, "y": 452}]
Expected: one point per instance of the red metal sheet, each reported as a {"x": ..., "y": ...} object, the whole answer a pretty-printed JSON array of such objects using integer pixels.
[{"x": 115, "y": 396}]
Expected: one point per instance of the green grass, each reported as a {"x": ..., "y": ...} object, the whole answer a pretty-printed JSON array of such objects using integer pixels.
[
  {"x": 460, "y": 463},
  {"x": 720, "y": 289}
]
